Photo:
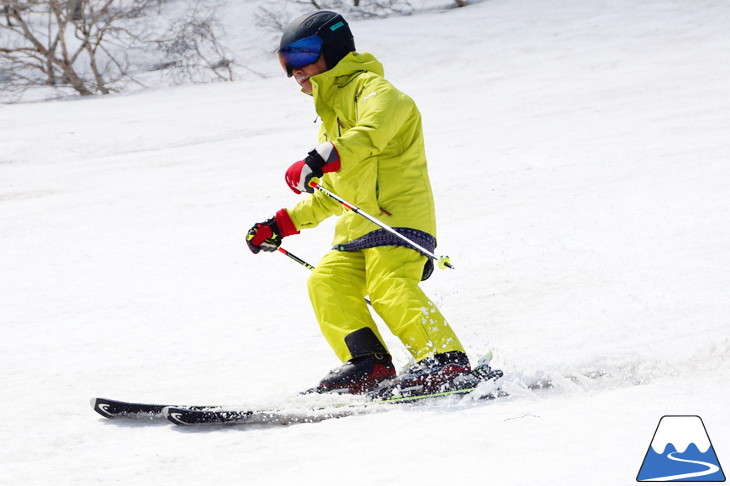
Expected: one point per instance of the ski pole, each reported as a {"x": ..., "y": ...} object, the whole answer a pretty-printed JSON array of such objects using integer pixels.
[
  {"x": 295, "y": 258},
  {"x": 442, "y": 261},
  {"x": 305, "y": 264}
]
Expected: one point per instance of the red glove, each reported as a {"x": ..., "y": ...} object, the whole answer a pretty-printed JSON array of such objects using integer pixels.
[
  {"x": 324, "y": 158},
  {"x": 267, "y": 236}
]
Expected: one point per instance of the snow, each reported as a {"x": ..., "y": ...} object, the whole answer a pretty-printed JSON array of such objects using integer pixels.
[{"x": 579, "y": 157}]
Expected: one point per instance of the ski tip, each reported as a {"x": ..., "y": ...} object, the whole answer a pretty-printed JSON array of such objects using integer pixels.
[
  {"x": 485, "y": 359},
  {"x": 100, "y": 406}
]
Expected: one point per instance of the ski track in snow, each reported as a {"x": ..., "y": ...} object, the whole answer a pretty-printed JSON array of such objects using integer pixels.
[{"x": 579, "y": 157}]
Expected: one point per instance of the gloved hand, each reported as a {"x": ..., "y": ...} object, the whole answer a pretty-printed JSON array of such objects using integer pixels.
[
  {"x": 267, "y": 236},
  {"x": 324, "y": 158}
]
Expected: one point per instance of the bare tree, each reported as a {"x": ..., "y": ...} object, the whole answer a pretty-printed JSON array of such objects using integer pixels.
[
  {"x": 76, "y": 9},
  {"x": 271, "y": 18},
  {"x": 192, "y": 51},
  {"x": 275, "y": 15},
  {"x": 366, "y": 8},
  {"x": 64, "y": 43},
  {"x": 6, "y": 13},
  {"x": 86, "y": 44}
]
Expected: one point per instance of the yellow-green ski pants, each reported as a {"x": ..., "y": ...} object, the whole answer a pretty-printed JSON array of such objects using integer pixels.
[{"x": 390, "y": 277}]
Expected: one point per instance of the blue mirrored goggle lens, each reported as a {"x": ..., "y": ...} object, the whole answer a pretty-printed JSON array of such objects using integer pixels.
[{"x": 300, "y": 53}]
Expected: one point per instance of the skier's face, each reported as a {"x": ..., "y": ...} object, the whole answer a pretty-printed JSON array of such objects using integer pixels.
[{"x": 303, "y": 74}]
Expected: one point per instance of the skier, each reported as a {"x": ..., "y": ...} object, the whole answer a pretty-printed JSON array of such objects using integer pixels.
[{"x": 371, "y": 153}]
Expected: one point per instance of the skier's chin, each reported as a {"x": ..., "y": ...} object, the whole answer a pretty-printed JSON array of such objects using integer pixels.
[{"x": 305, "y": 84}]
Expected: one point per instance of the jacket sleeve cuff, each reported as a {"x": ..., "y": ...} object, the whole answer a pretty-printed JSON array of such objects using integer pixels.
[
  {"x": 285, "y": 223},
  {"x": 323, "y": 158}
]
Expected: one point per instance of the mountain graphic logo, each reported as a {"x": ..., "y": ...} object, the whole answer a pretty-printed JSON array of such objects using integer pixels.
[{"x": 681, "y": 451}]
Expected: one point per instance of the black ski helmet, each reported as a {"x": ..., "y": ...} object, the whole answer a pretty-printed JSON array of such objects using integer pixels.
[{"x": 329, "y": 26}]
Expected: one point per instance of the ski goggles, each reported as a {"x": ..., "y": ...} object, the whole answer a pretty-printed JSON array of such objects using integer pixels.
[{"x": 300, "y": 53}]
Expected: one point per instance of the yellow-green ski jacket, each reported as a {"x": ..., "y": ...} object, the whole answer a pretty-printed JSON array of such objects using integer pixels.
[{"x": 378, "y": 135}]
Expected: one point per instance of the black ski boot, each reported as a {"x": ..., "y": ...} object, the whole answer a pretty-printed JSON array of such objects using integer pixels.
[
  {"x": 359, "y": 375},
  {"x": 439, "y": 373}
]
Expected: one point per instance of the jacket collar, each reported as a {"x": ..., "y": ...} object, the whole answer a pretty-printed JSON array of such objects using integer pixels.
[{"x": 349, "y": 68}]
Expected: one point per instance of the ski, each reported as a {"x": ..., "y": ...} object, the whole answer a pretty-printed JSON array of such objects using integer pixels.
[
  {"x": 216, "y": 414},
  {"x": 221, "y": 416},
  {"x": 120, "y": 409}
]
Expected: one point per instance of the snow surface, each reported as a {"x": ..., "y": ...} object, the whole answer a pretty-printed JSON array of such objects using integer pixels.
[{"x": 579, "y": 158}]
